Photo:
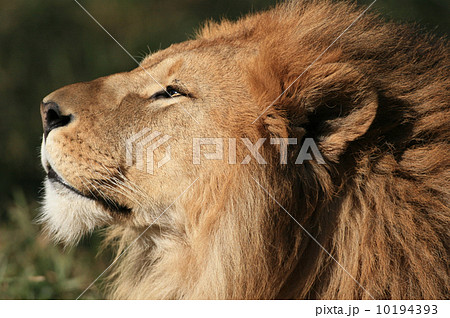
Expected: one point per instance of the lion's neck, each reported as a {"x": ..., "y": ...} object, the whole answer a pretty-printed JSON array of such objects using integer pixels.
[
  {"x": 378, "y": 229},
  {"x": 226, "y": 250}
]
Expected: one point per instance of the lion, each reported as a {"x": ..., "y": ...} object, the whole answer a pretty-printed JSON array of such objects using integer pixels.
[{"x": 370, "y": 220}]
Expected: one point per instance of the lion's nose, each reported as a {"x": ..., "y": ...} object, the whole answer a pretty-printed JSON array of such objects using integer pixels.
[{"x": 52, "y": 117}]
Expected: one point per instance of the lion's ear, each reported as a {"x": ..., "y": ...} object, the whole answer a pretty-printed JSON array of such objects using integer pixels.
[{"x": 333, "y": 103}]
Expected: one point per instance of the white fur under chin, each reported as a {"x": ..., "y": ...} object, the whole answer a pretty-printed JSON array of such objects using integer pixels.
[{"x": 68, "y": 216}]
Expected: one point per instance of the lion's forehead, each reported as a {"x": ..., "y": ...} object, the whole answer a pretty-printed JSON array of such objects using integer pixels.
[{"x": 198, "y": 56}]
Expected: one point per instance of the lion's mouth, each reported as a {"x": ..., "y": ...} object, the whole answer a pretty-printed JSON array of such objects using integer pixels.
[
  {"x": 108, "y": 204},
  {"x": 54, "y": 177}
]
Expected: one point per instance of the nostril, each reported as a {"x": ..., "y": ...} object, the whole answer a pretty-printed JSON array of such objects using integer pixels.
[
  {"x": 55, "y": 120},
  {"x": 52, "y": 117}
]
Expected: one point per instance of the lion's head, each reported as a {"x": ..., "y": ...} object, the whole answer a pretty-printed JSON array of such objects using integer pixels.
[{"x": 233, "y": 212}]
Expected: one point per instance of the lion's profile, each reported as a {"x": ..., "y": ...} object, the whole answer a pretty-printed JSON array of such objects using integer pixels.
[{"x": 376, "y": 103}]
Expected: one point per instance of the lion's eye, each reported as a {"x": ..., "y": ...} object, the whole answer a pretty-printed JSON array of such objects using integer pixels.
[{"x": 170, "y": 92}]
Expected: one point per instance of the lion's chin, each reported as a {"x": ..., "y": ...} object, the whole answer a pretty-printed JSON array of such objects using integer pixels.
[{"x": 68, "y": 216}]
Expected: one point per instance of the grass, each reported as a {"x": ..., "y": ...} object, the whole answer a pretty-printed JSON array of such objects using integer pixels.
[{"x": 32, "y": 267}]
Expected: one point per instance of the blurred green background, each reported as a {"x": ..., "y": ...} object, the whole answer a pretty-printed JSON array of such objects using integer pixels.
[{"x": 45, "y": 44}]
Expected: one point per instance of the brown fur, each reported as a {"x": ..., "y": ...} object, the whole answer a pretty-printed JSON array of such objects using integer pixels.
[{"x": 377, "y": 103}]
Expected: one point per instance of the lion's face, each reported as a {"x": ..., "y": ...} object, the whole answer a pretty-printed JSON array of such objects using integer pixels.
[
  {"x": 182, "y": 92},
  {"x": 97, "y": 172}
]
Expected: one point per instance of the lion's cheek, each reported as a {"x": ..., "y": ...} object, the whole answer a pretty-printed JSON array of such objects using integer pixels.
[{"x": 67, "y": 216}]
